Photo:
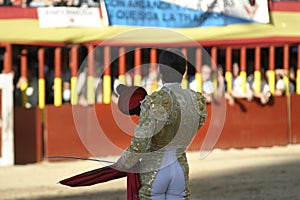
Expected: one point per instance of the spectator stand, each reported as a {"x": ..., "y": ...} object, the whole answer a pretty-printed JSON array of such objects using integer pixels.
[{"x": 50, "y": 125}]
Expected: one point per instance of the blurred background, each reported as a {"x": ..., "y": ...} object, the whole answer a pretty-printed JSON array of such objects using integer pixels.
[{"x": 61, "y": 61}]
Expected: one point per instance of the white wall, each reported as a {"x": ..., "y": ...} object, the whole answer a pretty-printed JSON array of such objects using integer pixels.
[{"x": 6, "y": 120}]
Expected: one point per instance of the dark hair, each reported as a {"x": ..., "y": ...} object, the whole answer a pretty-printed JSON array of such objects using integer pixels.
[{"x": 172, "y": 65}]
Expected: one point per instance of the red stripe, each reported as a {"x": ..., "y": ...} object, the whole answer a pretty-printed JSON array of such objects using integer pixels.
[
  {"x": 235, "y": 43},
  {"x": 18, "y": 13},
  {"x": 253, "y": 42},
  {"x": 289, "y": 6},
  {"x": 101, "y": 15}
]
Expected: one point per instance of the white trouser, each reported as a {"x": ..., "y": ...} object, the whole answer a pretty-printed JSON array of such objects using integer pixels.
[{"x": 169, "y": 183}]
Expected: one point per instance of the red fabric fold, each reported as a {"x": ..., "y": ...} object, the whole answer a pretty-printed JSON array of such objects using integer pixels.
[
  {"x": 133, "y": 186},
  {"x": 92, "y": 177},
  {"x": 105, "y": 174}
]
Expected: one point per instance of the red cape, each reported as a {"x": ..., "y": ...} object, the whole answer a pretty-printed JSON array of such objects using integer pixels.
[{"x": 105, "y": 174}]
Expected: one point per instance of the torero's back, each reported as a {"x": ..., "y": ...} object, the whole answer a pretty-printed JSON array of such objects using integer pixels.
[{"x": 169, "y": 119}]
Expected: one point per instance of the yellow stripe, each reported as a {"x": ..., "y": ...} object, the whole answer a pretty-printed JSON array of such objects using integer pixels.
[
  {"x": 106, "y": 89},
  {"x": 228, "y": 78},
  {"x": 215, "y": 84},
  {"x": 271, "y": 82},
  {"x": 298, "y": 82},
  {"x": 257, "y": 81},
  {"x": 137, "y": 80},
  {"x": 286, "y": 83},
  {"x": 90, "y": 90},
  {"x": 12, "y": 30},
  {"x": 24, "y": 99},
  {"x": 244, "y": 79},
  {"x": 74, "y": 93},
  {"x": 184, "y": 83},
  {"x": 42, "y": 93},
  {"x": 24, "y": 86},
  {"x": 198, "y": 78},
  {"x": 57, "y": 91},
  {"x": 154, "y": 86},
  {"x": 122, "y": 79}
]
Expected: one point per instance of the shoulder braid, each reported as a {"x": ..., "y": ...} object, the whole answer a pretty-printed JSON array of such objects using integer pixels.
[
  {"x": 161, "y": 105},
  {"x": 201, "y": 103}
]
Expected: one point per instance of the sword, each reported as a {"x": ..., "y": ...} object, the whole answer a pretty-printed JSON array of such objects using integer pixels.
[{"x": 79, "y": 158}]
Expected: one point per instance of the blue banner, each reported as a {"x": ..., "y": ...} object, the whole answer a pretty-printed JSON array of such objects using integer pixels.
[{"x": 164, "y": 13}]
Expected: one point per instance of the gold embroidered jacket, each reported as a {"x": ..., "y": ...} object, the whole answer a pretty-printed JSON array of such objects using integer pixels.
[{"x": 169, "y": 119}]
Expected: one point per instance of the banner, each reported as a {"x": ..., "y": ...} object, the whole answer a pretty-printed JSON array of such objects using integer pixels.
[
  {"x": 51, "y": 17},
  {"x": 183, "y": 13},
  {"x": 21, "y": 25}
]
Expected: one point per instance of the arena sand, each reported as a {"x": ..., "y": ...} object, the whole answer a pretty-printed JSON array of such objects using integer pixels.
[{"x": 235, "y": 174}]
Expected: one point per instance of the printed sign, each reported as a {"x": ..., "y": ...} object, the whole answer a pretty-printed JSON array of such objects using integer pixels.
[
  {"x": 51, "y": 17},
  {"x": 182, "y": 13}
]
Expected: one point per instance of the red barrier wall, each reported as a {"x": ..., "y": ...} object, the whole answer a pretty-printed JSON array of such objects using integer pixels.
[
  {"x": 295, "y": 116},
  {"x": 101, "y": 130},
  {"x": 248, "y": 124},
  {"x": 86, "y": 131},
  {"x": 28, "y": 138},
  {"x": 61, "y": 136},
  {"x": 255, "y": 126},
  {"x": 199, "y": 138}
]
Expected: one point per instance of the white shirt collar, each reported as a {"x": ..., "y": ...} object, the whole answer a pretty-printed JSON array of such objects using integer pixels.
[{"x": 171, "y": 84}]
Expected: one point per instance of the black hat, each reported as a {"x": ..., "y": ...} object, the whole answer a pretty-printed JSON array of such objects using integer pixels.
[{"x": 130, "y": 99}]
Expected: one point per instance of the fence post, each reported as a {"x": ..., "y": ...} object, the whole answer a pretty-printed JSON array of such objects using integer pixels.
[
  {"x": 107, "y": 76},
  {"x": 243, "y": 73},
  {"x": 214, "y": 60},
  {"x": 73, "y": 54},
  {"x": 298, "y": 72},
  {"x": 185, "y": 82},
  {"x": 137, "y": 67},
  {"x": 153, "y": 68},
  {"x": 257, "y": 72},
  {"x": 198, "y": 63},
  {"x": 24, "y": 76},
  {"x": 57, "y": 77},
  {"x": 41, "y": 83},
  {"x": 122, "y": 65},
  {"x": 286, "y": 68},
  {"x": 271, "y": 73},
  {"x": 90, "y": 79},
  {"x": 7, "y": 60},
  {"x": 228, "y": 71}
]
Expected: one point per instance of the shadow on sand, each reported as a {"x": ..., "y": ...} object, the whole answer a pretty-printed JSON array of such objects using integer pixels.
[{"x": 268, "y": 182}]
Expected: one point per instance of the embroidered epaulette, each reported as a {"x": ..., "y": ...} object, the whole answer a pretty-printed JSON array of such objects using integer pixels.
[
  {"x": 201, "y": 103},
  {"x": 160, "y": 104}
]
